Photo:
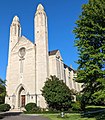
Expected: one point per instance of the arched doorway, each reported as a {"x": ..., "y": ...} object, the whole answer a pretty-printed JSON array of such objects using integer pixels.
[{"x": 22, "y": 97}]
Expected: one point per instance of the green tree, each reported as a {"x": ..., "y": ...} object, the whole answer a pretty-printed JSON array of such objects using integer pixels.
[
  {"x": 2, "y": 91},
  {"x": 90, "y": 35},
  {"x": 57, "y": 95}
]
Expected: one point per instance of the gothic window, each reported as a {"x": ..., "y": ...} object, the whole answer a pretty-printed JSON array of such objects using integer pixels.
[
  {"x": 58, "y": 67},
  {"x": 31, "y": 97},
  {"x": 69, "y": 73},
  {"x": 64, "y": 74},
  {"x": 15, "y": 29},
  {"x": 18, "y": 31},
  {"x": 22, "y": 52}
]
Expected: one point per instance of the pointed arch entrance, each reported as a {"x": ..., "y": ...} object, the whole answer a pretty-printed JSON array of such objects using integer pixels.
[{"x": 21, "y": 96}]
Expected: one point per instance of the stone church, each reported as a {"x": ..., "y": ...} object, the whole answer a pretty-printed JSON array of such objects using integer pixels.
[{"x": 29, "y": 64}]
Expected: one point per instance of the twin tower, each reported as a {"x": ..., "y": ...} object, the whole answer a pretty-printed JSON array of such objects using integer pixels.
[{"x": 28, "y": 63}]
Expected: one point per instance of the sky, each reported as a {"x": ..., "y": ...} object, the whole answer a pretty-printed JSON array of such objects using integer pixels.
[{"x": 62, "y": 15}]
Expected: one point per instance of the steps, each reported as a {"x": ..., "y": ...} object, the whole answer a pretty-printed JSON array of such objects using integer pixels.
[{"x": 17, "y": 110}]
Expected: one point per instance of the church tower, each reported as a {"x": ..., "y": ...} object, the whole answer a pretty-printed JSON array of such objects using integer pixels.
[
  {"x": 29, "y": 64},
  {"x": 41, "y": 40},
  {"x": 15, "y": 32}
]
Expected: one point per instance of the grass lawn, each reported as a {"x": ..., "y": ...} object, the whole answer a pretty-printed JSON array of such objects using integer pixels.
[
  {"x": 100, "y": 115},
  {"x": 94, "y": 108},
  {"x": 91, "y": 113},
  {"x": 73, "y": 116}
]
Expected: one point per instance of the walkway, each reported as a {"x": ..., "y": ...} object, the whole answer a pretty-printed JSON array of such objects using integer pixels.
[{"x": 23, "y": 117}]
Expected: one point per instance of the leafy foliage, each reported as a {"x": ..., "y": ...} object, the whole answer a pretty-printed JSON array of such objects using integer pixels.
[
  {"x": 90, "y": 34},
  {"x": 32, "y": 108},
  {"x": 4, "y": 107},
  {"x": 57, "y": 94},
  {"x": 2, "y": 91},
  {"x": 76, "y": 106}
]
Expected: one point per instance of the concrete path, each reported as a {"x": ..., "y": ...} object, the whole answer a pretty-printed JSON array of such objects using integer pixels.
[{"x": 23, "y": 117}]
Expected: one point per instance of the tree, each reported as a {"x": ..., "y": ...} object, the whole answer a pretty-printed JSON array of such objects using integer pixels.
[
  {"x": 57, "y": 95},
  {"x": 2, "y": 91},
  {"x": 90, "y": 35}
]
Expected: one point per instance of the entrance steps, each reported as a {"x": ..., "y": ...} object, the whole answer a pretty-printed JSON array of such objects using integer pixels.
[{"x": 17, "y": 110}]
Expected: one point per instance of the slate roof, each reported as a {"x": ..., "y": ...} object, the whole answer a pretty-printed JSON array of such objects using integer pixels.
[
  {"x": 70, "y": 68},
  {"x": 53, "y": 52}
]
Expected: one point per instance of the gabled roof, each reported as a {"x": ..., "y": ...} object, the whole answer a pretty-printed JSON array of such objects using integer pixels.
[
  {"x": 53, "y": 52},
  {"x": 23, "y": 41},
  {"x": 70, "y": 68}
]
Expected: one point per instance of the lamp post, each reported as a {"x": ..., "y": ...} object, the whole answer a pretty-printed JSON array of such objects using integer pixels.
[{"x": 62, "y": 114}]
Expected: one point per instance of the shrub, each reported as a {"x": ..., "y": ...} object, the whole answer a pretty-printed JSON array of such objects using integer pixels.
[
  {"x": 4, "y": 107},
  {"x": 32, "y": 108},
  {"x": 52, "y": 110},
  {"x": 57, "y": 95},
  {"x": 76, "y": 106}
]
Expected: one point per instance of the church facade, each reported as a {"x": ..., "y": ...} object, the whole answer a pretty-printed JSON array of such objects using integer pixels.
[{"x": 30, "y": 64}]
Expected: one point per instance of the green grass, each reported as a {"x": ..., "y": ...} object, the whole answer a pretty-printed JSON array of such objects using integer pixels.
[
  {"x": 96, "y": 113},
  {"x": 74, "y": 116},
  {"x": 94, "y": 108},
  {"x": 91, "y": 113}
]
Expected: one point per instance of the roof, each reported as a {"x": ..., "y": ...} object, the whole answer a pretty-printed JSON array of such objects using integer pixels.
[
  {"x": 70, "y": 68},
  {"x": 53, "y": 52}
]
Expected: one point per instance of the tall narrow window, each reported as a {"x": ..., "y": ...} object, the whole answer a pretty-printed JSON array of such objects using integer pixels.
[
  {"x": 22, "y": 52},
  {"x": 15, "y": 29}
]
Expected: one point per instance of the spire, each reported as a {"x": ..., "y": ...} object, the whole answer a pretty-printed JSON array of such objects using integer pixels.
[
  {"x": 40, "y": 7},
  {"x": 15, "y": 32},
  {"x": 16, "y": 19}
]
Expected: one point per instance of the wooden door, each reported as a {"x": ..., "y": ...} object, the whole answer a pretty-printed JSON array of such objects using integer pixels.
[{"x": 22, "y": 100}]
